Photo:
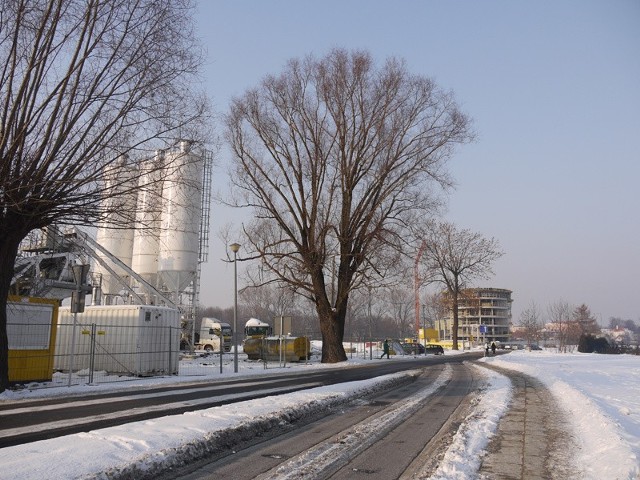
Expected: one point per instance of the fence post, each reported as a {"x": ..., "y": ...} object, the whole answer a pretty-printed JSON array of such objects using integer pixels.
[
  {"x": 73, "y": 346},
  {"x": 263, "y": 353},
  {"x": 169, "y": 369},
  {"x": 93, "y": 352}
]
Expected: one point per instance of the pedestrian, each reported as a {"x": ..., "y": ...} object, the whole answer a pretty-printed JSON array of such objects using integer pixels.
[
  {"x": 385, "y": 349},
  {"x": 493, "y": 347},
  {"x": 486, "y": 349}
]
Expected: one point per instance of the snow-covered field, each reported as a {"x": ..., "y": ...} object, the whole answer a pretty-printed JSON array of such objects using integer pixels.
[{"x": 600, "y": 394}]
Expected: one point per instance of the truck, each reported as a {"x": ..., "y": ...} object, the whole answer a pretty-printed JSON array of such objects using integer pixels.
[
  {"x": 211, "y": 330},
  {"x": 255, "y": 328},
  {"x": 255, "y": 331}
]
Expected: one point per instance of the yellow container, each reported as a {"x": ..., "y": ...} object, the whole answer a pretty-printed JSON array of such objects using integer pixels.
[
  {"x": 253, "y": 348},
  {"x": 31, "y": 328},
  {"x": 294, "y": 349}
]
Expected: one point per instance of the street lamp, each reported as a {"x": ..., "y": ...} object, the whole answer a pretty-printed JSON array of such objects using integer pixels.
[
  {"x": 234, "y": 248},
  {"x": 424, "y": 327},
  {"x": 77, "y": 306}
]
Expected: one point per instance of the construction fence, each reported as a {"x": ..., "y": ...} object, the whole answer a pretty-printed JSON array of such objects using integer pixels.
[{"x": 42, "y": 354}]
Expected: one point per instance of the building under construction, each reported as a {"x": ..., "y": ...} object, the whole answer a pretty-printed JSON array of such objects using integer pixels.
[{"x": 484, "y": 315}]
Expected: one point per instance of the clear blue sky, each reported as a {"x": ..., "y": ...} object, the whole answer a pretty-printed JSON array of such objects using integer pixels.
[{"x": 554, "y": 91}]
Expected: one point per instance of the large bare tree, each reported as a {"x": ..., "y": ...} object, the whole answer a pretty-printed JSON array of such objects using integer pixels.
[
  {"x": 453, "y": 258},
  {"x": 86, "y": 86},
  {"x": 338, "y": 157}
]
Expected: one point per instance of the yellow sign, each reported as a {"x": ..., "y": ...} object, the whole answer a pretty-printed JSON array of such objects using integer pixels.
[{"x": 430, "y": 333}]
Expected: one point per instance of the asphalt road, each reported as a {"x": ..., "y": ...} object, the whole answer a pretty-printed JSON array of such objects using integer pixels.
[
  {"x": 386, "y": 436},
  {"x": 33, "y": 420}
]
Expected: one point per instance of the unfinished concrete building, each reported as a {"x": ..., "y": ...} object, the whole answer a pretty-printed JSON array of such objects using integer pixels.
[{"x": 484, "y": 314}]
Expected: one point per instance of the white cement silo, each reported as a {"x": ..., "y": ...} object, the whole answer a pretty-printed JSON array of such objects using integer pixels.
[
  {"x": 116, "y": 233},
  {"x": 146, "y": 241},
  {"x": 181, "y": 218}
]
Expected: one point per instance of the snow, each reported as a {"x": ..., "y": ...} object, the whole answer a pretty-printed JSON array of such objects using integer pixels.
[
  {"x": 462, "y": 459},
  {"x": 600, "y": 395}
]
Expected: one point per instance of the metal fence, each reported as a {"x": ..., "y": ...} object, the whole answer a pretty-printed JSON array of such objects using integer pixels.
[
  {"x": 88, "y": 353},
  {"x": 41, "y": 355}
]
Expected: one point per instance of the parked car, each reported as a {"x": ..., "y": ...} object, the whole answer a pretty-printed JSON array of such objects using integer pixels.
[
  {"x": 413, "y": 348},
  {"x": 434, "y": 349}
]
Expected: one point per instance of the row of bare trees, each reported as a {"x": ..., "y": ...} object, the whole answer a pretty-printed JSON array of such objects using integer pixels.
[
  {"x": 563, "y": 323},
  {"x": 386, "y": 312}
]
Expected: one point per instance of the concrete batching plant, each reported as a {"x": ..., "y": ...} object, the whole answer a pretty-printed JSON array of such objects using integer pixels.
[
  {"x": 166, "y": 241},
  {"x": 149, "y": 250}
]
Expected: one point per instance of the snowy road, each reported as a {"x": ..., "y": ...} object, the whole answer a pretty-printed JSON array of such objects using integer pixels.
[
  {"x": 33, "y": 420},
  {"x": 359, "y": 438}
]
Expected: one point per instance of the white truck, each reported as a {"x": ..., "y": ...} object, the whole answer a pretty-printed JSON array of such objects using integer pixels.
[
  {"x": 211, "y": 330},
  {"x": 255, "y": 328}
]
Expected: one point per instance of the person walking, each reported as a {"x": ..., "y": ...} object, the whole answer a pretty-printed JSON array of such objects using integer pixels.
[
  {"x": 385, "y": 349},
  {"x": 493, "y": 348}
]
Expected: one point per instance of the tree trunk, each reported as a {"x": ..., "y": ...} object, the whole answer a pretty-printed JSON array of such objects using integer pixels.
[
  {"x": 454, "y": 327},
  {"x": 332, "y": 329},
  {"x": 8, "y": 252},
  {"x": 331, "y": 320}
]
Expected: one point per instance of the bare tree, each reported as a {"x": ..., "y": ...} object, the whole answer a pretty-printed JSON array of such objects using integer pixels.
[
  {"x": 530, "y": 320},
  {"x": 86, "y": 86},
  {"x": 454, "y": 257},
  {"x": 357, "y": 324},
  {"x": 432, "y": 309},
  {"x": 338, "y": 158},
  {"x": 400, "y": 308},
  {"x": 267, "y": 302},
  {"x": 565, "y": 328}
]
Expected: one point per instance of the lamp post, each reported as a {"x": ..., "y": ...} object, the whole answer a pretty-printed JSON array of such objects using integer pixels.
[
  {"x": 77, "y": 306},
  {"x": 234, "y": 248},
  {"x": 424, "y": 327}
]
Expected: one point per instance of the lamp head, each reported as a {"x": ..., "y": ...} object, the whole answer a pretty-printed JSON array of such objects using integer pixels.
[{"x": 234, "y": 247}]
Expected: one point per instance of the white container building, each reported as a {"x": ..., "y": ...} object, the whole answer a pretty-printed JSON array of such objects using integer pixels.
[{"x": 137, "y": 340}]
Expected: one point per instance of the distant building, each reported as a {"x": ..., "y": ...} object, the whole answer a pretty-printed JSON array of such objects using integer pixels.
[
  {"x": 479, "y": 309},
  {"x": 620, "y": 336}
]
